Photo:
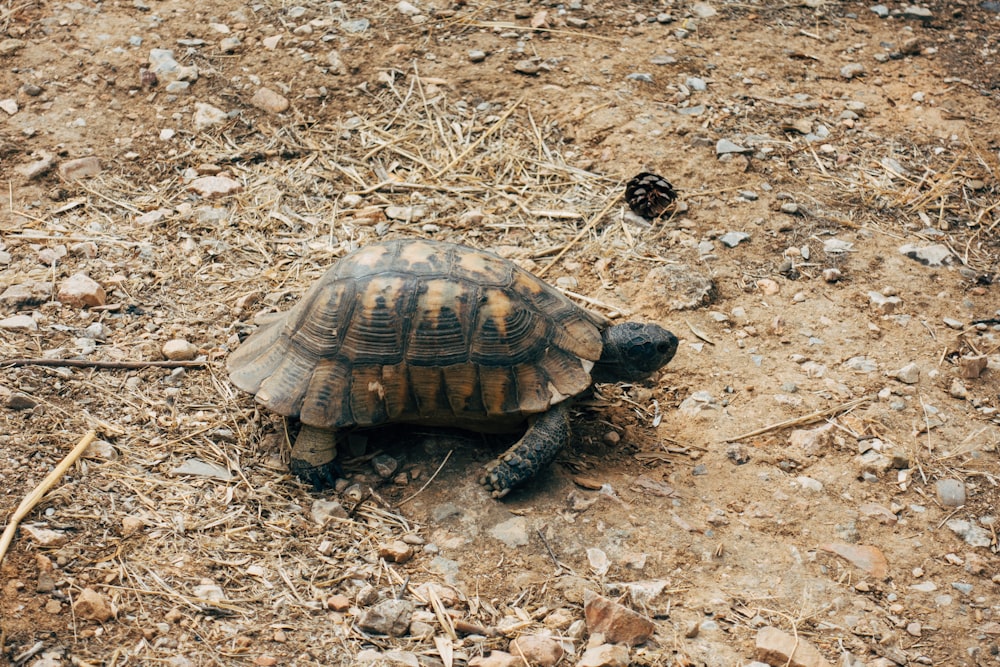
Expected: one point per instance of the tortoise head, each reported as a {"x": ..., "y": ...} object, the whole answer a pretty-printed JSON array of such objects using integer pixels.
[{"x": 633, "y": 351}]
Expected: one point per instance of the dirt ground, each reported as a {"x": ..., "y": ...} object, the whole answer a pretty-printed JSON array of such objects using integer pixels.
[{"x": 863, "y": 143}]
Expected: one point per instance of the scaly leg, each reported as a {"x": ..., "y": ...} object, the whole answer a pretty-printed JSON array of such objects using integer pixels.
[
  {"x": 314, "y": 457},
  {"x": 546, "y": 435}
]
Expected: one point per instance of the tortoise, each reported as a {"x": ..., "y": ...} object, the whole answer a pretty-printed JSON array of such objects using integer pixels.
[{"x": 427, "y": 332}]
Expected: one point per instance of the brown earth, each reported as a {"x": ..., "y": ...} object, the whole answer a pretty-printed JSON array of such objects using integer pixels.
[{"x": 224, "y": 563}]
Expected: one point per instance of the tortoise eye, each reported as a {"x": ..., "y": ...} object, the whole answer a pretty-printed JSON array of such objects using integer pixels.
[{"x": 662, "y": 348}]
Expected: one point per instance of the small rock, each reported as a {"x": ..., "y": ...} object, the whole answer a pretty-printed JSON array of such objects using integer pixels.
[
  {"x": 19, "y": 323},
  {"x": 971, "y": 367},
  {"x": 696, "y": 84},
  {"x": 324, "y": 510},
  {"x": 538, "y": 650},
  {"x": 389, "y": 617},
  {"x": 885, "y": 305},
  {"x": 396, "y": 551},
  {"x": 617, "y": 623},
  {"x": 19, "y": 401},
  {"x": 81, "y": 291},
  {"x": 958, "y": 390},
  {"x": 789, "y": 207},
  {"x": 908, "y": 374},
  {"x": 9, "y": 105},
  {"x": 44, "y": 537},
  {"x": 385, "y": 466},
  {"x": 131, "y": 525},
  {"x": 768, "y": 287},
  {"x": 268, "y": 100},
  {"x": 604, "y": 655},
  {"x": 496, "y": 659},
  {"x": 725, "y": 147},
  {"x": 405, "y": 213},
  {"x": 832, "y": 275},
  {"x": 861, "y": 364},
  {"x": 867, "y": 558},
  {"x": 852, "y": 70},
  {"x": 338, "y": 602},
  {"x": 36, "y": 169},
  {"x": 698, "y": 404},
  {"x": 92, "y": 606},
  {"x": 83, "y": 167},
  {"x": 880, "y": 10},
  {"x": 918, "y": 13},
  {"x": 914, "y": 629},
  {"x": 512, "y": 532},
  {"x": 100, "y": 449},
  {"x": 205, "y": 116},
  {"x": 528, "y": 66},
  {"x": 934, "y": 255},
  {"x": 179, "y": 349},
  {"x": 703, "y": 10},
  {"x": 733, "y": 239},
  {"x": 477, "y": 56},
  {"x": 951, "y": 492},
  {"x": 776, "y": 647},
  {"x": 213, "y": 187},
  {"x": 209, "y": 590},
  {"x": 230, "y": 44}
]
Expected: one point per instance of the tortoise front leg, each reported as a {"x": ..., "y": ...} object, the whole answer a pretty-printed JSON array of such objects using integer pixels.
[
  {"x": 313, "y": 457},
  {"x": 546, "y": 435}
]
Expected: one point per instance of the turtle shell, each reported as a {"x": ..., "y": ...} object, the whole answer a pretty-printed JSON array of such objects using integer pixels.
[{"x": 414, "y": 331}]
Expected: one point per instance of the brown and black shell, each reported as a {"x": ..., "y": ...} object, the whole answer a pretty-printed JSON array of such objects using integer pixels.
[{"x": 414, "y": 331}]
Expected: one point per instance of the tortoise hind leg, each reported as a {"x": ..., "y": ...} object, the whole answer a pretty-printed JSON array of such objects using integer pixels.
[
  {"x": 545, "y": 436},
  {"x": 314, "y": 457}
]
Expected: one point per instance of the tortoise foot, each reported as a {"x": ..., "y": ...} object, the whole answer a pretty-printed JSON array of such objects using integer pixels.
[
  {"x": 320, "y": 477},
  {"x": 529, "y": 455}
]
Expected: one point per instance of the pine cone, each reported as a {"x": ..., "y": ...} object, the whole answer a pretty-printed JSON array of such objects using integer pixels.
[{"x": 649, "y": 195}]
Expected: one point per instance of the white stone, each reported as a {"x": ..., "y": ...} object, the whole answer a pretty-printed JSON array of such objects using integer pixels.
[
  {"x": 80, "y": 290},
  {"x": 205, "y": 116},
  {"x": 179, "y": 349}
]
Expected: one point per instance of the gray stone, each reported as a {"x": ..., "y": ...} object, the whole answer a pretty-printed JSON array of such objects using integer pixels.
[
  {"x": 355, "y": 26},
  {"x": 880, "y": 10},
  {"x": 951, "y": 492},
  {"x": 908, "y": 374},
  {"x": 852, "y": 70},
  {"x": 644, "y": 77},
  {"x": 972, "y": 534},
  {"x": 19, "y": 323},
  {"x": 696, "y": 83},
  {"x": 919, "y": 13},
  {"x": 477, "y": 56},
  {"x": 725, "y": 147},
  {"x": 861, "y": 364},
  {"x": 929, "y": 255},
  {"x": 513, "y": 532},
  {"x": 733, "y": 239},
  {"x": 205, "y": 116},
  {"x": 703, "y": 10},
  {"x": 389, "y": 617}
]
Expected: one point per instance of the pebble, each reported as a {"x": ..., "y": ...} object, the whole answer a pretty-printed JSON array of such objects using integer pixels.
[
  {"x": 179, "y": 349},
  {"x": 951, "y": 492},
  {"x": 776, "y": 647},
  {"x": 92, "y": 606},
  {"x": 83, "y": 167},
  {"x": 973, "y": 535},
  {"x": 405, "y": 213},
  {"x": 703, "y": 10},
  {"x": 477, "y": 56},
  {"x": 733, "y": 239},
  {"x": 9, "y": 105},
  {"x": 695, "y": 83},
  {"x": 663, "y": 60},
  {"x": 18, "y": 401},
  {"x": 908, "y": 374},
  {"x": 768, "y": 287},
  {"x": 919, "y": 13},
  {"x": 396, "y": 551},
  {"x": 540, "y": 650},
  {"x": 214, "y": 187},
  {"x": 324, "y": 510},
  {"x": 496, "y": 659},
  {"x": 528, "y": 66},
  {"x": 852, "y": 70},
  {"x": 880, "y": 10},
  {"x": 832, "y": 275},
  {"x": 603, "y": 655},
  {"x": 934, "y": 255},
  {"x": 338, "y": 602},
  {"x": 389, "y": 617},
  {"x": 958, "y": 390},
  {"x": 355, "y": 26},
  {"x": 19, "y": 323},
  {"x": 81, "y": 291},
  {"x": 618, "y": 624},
  {"x": 385, "y": 466},
  {"x": 971, "y": 366},
  {"x": 726, "y": 147},
  {"x": 268, "y": 100},
  {"x": 205, "y": 116},
  {"x": 644, "y": 77},
  {"x": 33, "y": 170},
  {"x": 885, "y": 305},
  {"x": 513, "y": 532},
  {"x": 698, "y": 403},
  {"x": 230, "y": 44},
  {"x": 790, "y": 208}
]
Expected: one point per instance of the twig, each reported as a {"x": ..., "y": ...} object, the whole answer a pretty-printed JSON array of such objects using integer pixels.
[
  {"x": 804, "y": 419},
  {"x": 33, "y": 498},
  {"x": 590, "y": 225},
  {"x": 112, "y": 365}
]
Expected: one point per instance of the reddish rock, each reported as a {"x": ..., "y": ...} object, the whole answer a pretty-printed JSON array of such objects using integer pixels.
[
  {"x": 780, "y": 648},
  {"x": 396, "y": 551},
  {"x": 268, "y": 100},
  {"x": 617, "y": 623},
  {"x": 869, "y": 559},
  {"x": 338, "y": 602},
  {"x": 92, "y": 606},
  {"x": 80, "y": 290}
]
